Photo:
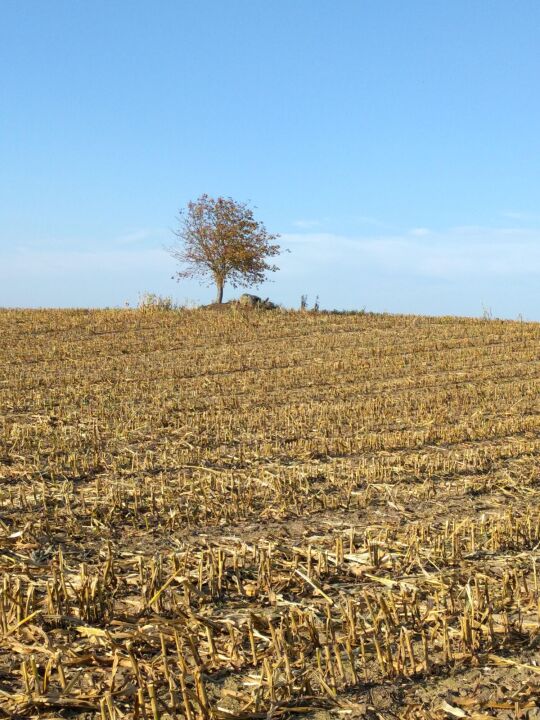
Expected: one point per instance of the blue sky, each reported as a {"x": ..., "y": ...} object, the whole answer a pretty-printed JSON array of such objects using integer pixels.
[{"x": 394, "y": 145}]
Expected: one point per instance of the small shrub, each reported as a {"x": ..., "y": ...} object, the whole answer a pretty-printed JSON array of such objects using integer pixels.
[{"x": 152, "y": 301}]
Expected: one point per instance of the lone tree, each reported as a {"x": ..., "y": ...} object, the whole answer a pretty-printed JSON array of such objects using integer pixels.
[{"x": 219, "y": 239}]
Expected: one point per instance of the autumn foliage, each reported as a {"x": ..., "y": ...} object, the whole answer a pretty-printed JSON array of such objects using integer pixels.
[{"x": 221, "y": 241}]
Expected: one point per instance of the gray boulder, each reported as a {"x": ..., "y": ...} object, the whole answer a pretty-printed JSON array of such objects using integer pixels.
[{"x": 254, "y": 301}]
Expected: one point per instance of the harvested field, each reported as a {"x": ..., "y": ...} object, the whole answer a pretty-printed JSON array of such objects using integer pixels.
[{"x": 245, "y": 515}]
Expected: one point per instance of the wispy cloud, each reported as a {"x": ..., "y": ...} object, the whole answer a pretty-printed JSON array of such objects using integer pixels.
[
  {"x": 77, "y": 278},
  {"x": 441, "y": 272},
  {"x": 141, "y": 235},
  {"x": 306, "y": 224},
  {"x": 42, "y": 263},
  {"x": 465, "y": 251},
  {"x": 353, "y": 220},
  {"x": 521, "y": 216}
]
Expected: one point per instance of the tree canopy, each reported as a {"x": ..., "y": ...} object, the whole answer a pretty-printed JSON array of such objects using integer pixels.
[{"x": 221, "y": 241}]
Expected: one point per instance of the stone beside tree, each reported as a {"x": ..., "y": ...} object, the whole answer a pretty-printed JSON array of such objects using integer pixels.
[{"x": 254, "y": 301}]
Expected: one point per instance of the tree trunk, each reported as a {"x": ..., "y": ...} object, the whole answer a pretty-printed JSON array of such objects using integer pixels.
[{"x": 219, "y": 284}]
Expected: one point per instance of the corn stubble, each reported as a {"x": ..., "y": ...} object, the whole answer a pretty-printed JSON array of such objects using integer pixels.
[{"x": 237, "y": 516}]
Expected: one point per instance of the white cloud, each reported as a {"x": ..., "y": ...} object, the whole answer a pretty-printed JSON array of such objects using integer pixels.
[
  {"x": 521, "y": 216},
  {"x": 141, "y": 235},
  {"x": 306, "y": 224},
  {"x": 465, "y": 251},
  {"x": 41, "y": 263},
  {"x": 450, "y": 272},
  {"x": 31, "y": 277}
]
